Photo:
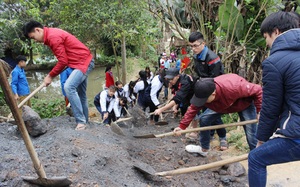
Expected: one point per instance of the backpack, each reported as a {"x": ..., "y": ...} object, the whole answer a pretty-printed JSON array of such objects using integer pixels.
[{"x": 147, "y": 92}]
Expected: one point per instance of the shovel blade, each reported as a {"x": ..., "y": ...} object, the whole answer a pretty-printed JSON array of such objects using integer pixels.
[
  {"x": 144, "y": 168},
  {"x": 48, "y": 182},
  {"x": 145, "y": 136},
  {"x": 161, "y": 123},
  {"x": 116, "y": 129}
]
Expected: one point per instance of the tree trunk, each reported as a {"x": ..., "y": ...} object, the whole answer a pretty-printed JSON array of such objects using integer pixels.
[
  {"x": 123, "y": 50},
  {"x": 116, "y": 58}
]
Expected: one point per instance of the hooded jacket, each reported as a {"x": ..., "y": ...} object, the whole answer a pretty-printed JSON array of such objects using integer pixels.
[{"x": 281, "y": 89}]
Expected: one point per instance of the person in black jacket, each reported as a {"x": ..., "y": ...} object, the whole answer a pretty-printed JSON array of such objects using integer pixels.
[{"x": 182, "y": 86}]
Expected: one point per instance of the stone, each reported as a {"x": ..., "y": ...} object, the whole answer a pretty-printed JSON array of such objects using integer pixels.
[
  {"x": 236, "y": 169},
  {"x": 33, "y": 122}
]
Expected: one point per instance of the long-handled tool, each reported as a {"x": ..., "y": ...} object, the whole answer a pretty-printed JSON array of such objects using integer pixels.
[
  {"x": 197, "y": 129},
  {"x": 146, "y": 169},
  {"x": 42, "y": 179},
  {"x": 27, "y": 98},
  {"x": 164, "y": 112},
  {"x": 115, "y": 127},
  {"x": 162, "y": 121},
  {"x": 127, "y": 111}
]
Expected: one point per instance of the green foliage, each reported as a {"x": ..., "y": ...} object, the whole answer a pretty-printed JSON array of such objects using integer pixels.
[
  {"x": 231, "y": 20},
  {"x": 234, "y": 136},
  {"x": 49, "y": 108},
  {"x": 4, "y": 109},
  {"x": 238, "y": 139},
  {"x": 105, "y": 60},
  {"x": 230, "y": 118},
  {"x": 2, "y": 101}
]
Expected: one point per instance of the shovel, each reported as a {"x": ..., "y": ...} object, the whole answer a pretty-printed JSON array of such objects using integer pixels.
[
  {"x": 42, "y": 179},
  {"x": 146, "y": 169},
  {"x": 115, "y": 127},
  {"x": 162, "y": 121},
  {"x": 197, "y": 129}
]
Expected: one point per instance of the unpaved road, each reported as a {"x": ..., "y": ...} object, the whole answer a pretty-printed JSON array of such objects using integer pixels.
[{"x": 97, "y": 157}]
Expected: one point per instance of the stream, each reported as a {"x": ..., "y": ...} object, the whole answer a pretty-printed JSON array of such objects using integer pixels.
[{"x": 96, "y": 79}]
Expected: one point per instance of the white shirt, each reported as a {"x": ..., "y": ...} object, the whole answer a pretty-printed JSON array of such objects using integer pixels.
[
  {"x": 156, "y": 85},
  {"x": 104, "y": 99},
  {"x": 127, "y": 93},
  {"x": 138, "y": 86},
  {"x": 117, "y": 108}
]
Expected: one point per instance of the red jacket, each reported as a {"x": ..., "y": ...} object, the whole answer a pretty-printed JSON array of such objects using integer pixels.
[
  {"x": 109, "y": 79},
  {"x": 68, "y": 50},
  {"x": 233, "y": 94}
]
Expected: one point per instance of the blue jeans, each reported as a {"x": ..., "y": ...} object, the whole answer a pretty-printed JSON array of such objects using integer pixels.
[
  {"x": 274, "y": 151},
  {"x": 209, "y": 116},
  {"x": 75, "y": 88}
]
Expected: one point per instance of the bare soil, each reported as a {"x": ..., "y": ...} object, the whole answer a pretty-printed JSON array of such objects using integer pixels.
[{"x": 99, "y": 157}]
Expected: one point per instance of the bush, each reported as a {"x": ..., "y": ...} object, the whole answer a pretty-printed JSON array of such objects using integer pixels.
[
  {"x": 105, "y": 60},
  {"x": 49, "y": 109}
]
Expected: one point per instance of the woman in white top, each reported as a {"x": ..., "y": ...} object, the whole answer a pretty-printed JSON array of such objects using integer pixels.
[
  {"x": 128, "y": 92},
  {"x": 139, "y": 88},
  {"x": 149, "y": 74}
]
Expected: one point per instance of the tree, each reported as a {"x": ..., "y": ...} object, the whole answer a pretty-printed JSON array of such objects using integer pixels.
[
  {"x": 230, "y": 27},
  {"x": 122, "y": 22}
]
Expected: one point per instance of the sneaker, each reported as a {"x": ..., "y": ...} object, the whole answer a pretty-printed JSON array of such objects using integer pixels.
[{"x": 195, "y": 149}]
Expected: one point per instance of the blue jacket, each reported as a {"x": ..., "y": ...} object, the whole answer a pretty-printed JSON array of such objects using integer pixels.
[
  {"x": 63, "y": 78},
  {"x": 281, "y": 89},
  {"x": 19, "y": 84}
]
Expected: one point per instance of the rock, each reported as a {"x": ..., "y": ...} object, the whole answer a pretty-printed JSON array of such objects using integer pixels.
[
  {"x": 101, "y": 162},
  {"x": 35, "y": 126},
  {"x": 167, "y": 158},
  {"x": 226, "y": 179},
  {"x": 223, "y": 172},
  {"x": 76, "y": 152},
  {"x": 181, "y": 162},
  {"x": 236, "y": 169}
]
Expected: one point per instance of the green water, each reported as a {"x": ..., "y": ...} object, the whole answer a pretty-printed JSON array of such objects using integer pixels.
[{"x": 96, "y": 79}]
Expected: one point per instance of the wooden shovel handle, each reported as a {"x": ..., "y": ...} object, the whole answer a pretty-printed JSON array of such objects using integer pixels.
[
  {"x": 30, "y": 95},
  {"x": 123, "y": 119},
  {"x": 208, "y": 128},
  {"x": 127, "y": 111},
  {"x": 164, "y": 112},
  {"x": 10, "y": 100},
  {"x": 203, "y": 167}
]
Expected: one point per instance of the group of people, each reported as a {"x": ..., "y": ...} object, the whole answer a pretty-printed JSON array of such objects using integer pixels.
[
  {"x": 170, "y": 61},
  {"x": 112, "y": 101},
  {"x": 205, "y": 95}
]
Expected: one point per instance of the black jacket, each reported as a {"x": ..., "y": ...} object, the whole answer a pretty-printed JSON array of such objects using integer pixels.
[
  {"x": 183, "y": 89},
  {"x": 207, "y": 64}
]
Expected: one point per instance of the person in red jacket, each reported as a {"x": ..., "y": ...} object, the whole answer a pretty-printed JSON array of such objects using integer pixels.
[
  {"x": 224, "y": 94},
  {"x": 70, "y": 52},
  {"x": 109, "y": 78}
]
